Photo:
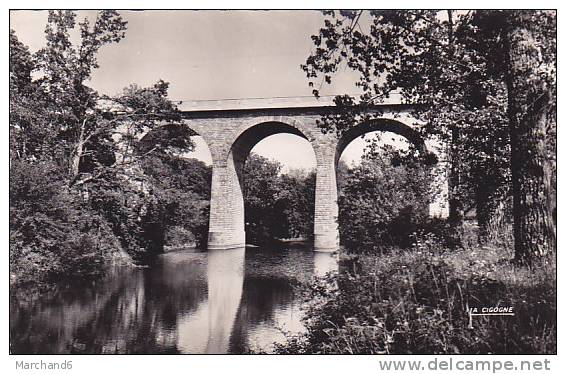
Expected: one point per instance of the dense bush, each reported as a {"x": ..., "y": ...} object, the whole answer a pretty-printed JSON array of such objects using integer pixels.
[
  {"x": 57, "y": 232},
  {"x": 140, "y": 218},
  {"x": 297, "y": 201},
  {"x": 179, "y": 237},
  {"x": 181, "y": 188},
  {"x": 417, "y": 302},
  {"x": 52, "y": 233},
  {"x": 382, "y": 203},
  {"x": 277, "y": 205}
]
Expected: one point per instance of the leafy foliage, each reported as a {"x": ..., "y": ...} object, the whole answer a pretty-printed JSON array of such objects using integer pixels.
[
  {"x": 382, "y": 202},
  {"x": 64, "y": 69},
  {"x": 297, "y": 201},
  {"x": 456, "y": 69},
  {"x": 78, "y": 195},
  {"x": 53, "y": 234},
  {"x": 30, "y": 134},
  {"x": 277, "y": 206},
  {"x": 182, "y": 187}
]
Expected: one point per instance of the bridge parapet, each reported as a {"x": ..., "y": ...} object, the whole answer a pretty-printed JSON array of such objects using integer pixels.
[{"x": 258, "y": 103}]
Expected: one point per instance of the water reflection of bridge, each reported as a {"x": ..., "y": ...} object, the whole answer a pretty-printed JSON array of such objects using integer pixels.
[
  {"x": 215, "y": 319},
  {"x": 214, "y": 302}
]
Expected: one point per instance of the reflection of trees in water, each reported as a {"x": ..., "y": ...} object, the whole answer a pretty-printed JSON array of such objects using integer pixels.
[
  {"x": 184, "y": 303},
  {"x": 269, "y": 300},
  {"x": 263, "y": 295},
  {"x": 268, "y": 286},
  {"x": 261, "y": 298},
  {"x": 292, "y": 265},
  {"x": 49, "y": 324},
  {"x": 133, "y": 310}
]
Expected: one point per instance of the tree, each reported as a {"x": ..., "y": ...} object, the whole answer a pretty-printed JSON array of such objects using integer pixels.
[
  {"x": 530, "y": 41},
  {"x": 264, "y": 218},
  {"x": 464, "y": 85},
  {"x": 97, "y": 134},
  {"x": 53, "y": 235},
  {"x": 78, "y": 194},
  {"x": 30, "y": 133},
  {"x": 182, "y": 187},
  {"x": 296, "y": 198},
  {"x": 410, "y": 53},
  {"x": 382, "y": 202},
  {"x": 65, "y": 70},
  {"x": 277, "y": 205},
  {"x": 115, "y": 146}
]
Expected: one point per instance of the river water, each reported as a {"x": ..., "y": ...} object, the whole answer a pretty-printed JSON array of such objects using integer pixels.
[{"x": 220, "y": 301}]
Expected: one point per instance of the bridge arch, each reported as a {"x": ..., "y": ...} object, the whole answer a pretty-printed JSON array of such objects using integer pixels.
[
  {"x": 251, "y": 130},
  {"x": 380, "y": 124},
  {"x": 426, "y": 147},
  {"x": 250, "y": 136},
  {"x": 227, "y": 220}
]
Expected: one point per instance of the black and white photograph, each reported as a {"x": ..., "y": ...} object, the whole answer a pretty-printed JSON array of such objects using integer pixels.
[{"x": 284, "y": 182}]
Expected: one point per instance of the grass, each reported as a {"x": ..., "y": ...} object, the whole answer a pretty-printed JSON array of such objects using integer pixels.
[{"x": 417, "y": 300}]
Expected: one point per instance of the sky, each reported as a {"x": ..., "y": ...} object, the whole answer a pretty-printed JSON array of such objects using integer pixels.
[{"x": 212, "y": 55}]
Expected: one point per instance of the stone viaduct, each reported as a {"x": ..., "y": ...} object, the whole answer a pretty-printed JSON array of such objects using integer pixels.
[{"x": 231, "y": 128}]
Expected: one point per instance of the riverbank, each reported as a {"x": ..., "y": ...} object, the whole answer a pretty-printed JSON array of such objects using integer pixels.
[{"x": 418, "y": 302}]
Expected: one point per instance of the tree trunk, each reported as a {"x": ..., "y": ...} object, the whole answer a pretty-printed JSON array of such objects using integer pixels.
[
  {"x": 456, "y": 209},
  {"x": 483, "y": 211},
  {"x": 529, "y": 101},
  {"x": 455, "y": 206},
  {"x": 78, "y": 153},
  {"x": 490, "y": 209}
]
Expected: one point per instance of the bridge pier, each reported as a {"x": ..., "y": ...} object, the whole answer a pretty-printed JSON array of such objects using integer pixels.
[
  {"x": 326, "y": 235},
  {"x": 226, "y": 225}
]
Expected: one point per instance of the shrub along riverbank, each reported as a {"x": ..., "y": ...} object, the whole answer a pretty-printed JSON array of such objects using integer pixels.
[{"x": 416, "y": 302}]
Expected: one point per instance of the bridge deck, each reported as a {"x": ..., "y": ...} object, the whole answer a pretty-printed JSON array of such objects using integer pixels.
[{"x": 308, "y": 103}]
